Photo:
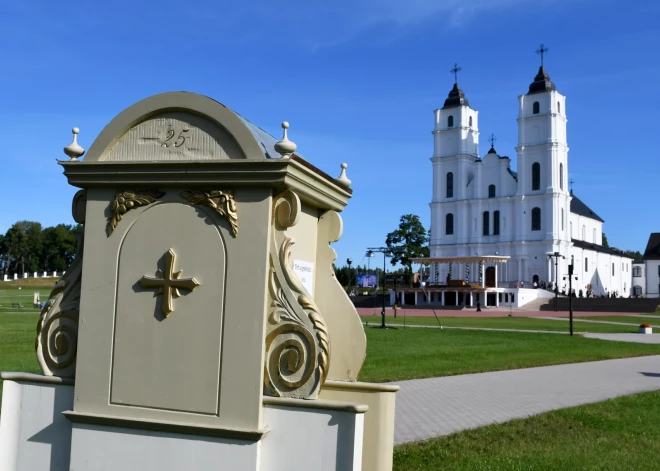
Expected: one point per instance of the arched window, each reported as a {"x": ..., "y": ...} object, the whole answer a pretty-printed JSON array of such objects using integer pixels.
[
  {"x": 470, "y": 121},
  {"x": 586, "y": 264},
  {"x": 491, "y": 191},
  {"x": 536, "y": 108},
  {"x": 637, "y": 290},
  {"x": 496, "y": 223},
  {"x": 558, "y": 107},
  {"x": 536, "y": 219},
  {"x": 450, "y": 185},
  {"x": 536, "y": 176},
  {"x": 561, "y": 176},
  {"x": 486, "y": 217},
  {"x": 562, "y": 219},
  {"x": 449, "y": 224},
  {"x": 450, "y": 121},
  {"x": 637, "y": 271}
]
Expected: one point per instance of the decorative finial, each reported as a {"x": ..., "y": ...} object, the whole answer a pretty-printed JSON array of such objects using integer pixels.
[
  {"x": 455, "y": 71},
  {"x": 492, "y": 140},
  {"x": 73, "y": 150},
  {"x": 343, "y": 179},
  {"x": 571, "y": 183},
  {"x": 542, "y": 50},
  {"x": 285, "y": 147}
]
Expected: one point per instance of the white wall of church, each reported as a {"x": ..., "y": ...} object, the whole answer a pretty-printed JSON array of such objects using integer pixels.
[
  {"x": 586, "y": 229},
  {"x": 606, "y": 273}
]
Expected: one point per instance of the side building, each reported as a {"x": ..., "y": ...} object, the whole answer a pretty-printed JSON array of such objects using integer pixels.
[{"x": 646, "y": 272}]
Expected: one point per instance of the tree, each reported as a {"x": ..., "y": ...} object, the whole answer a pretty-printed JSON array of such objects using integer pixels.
[
  {"x": 58, "y": 247},
  {"x": 23, "y": 241},
  {"x": 409, "y": 241},
  {"x": 605, "y": 243}
]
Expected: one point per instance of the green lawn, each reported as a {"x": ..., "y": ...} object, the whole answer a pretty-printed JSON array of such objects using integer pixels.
[
  {"x": 393, "y": 354},
  {"x": 619, "y": 434},
  {"x": 23, "y": 296},
  {"x": 522, "y": 323},
  {"x": 17, "y": 335}
]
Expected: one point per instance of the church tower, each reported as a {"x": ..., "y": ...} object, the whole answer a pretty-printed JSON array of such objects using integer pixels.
[
  {"x": 543, "y": 162},
  {"x": 455, "y": 144}
]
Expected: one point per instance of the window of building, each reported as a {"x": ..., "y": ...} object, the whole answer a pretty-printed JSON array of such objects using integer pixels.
[
  {"x": 491, "y": 191},
  {"x": 561, "y": 176},
  {"x": 570, "y": 225},
  {"x": 536, "y": 176},
  {"x": 470, "y": 121},
  {"x": 559, "y": 107},
  {"x": 637, "y": 290},
  {"x": 584, "y": 233},
  {"x": 637, "y": 271},
  {"x": 496, "y": 223},
  {"x": 658, "y": 270},
  {"x": 536, "y": 219},
  {"x": 536, "y": 108},
  {"x": 612, "y": 269},
  {"x": 450, "y": 121},
  {"x": 586, "y": 264},
  {"x": 486, "y": 223},
  {"x": 562, "y": 219},
  {"x": 594, "y": 235},
  {"x": 449, "y": 224},
  {"x": 450, "y": 185}
]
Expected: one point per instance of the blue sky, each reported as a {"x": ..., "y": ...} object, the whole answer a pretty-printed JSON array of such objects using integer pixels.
[{"x": 358, "y": 81}]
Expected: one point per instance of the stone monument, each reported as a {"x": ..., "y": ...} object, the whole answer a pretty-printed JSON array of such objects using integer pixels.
[{"x": 201, "y": 325}]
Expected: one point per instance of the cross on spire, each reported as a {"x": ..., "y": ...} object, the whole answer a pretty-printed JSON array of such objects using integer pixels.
[
  {"x": 492, "y": 140},
  {"x": 455, "y": 71},
  {"x": 542, "y": 50},
  {"x": 571, "y": 183}
]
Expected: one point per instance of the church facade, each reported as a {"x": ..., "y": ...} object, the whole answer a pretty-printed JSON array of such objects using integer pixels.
[{"x": 481, "y": 206}]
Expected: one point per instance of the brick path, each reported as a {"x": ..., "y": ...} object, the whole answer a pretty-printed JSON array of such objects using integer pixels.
[{"x": 432, "y": 407}]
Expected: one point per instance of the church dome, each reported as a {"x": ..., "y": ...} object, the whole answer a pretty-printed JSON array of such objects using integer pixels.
[
  {"x": 456, "y": 98},
  {"x": 541, "y": 83}
]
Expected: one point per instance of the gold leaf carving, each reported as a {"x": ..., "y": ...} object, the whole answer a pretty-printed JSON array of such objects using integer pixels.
[
  {"x": 125, "y": 201},
  {"x": 57, "y": 330},
  {"x": 297, "y": 339},
  {"x": 222, "y": 201}
]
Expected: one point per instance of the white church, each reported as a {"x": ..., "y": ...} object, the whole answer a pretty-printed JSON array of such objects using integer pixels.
[{"x": 481, "y": 207}]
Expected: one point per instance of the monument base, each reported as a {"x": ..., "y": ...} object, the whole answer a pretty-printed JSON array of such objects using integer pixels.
[
  {"x": 38, "y": 432},
  {"x": 378, "y": 421}
]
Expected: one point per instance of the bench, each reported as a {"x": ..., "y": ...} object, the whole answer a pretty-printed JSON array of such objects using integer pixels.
[{"x": 16, "y": 306}]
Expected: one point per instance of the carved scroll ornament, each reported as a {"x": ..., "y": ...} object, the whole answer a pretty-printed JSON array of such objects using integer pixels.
[
  {"x": 297, "y": 339},
  {"x": 57, "y": 331},
  {"x": 127, "y": 200},
  {"x": 222, "y": 201}
]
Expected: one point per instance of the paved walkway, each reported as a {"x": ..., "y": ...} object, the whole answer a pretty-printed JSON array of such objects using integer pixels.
[
  {"x": 414, "y": 326},
  {"x": 631, "y": 324},
  {"x": 432, "y": 407},
  {"x": 485, "y": 312},
  {"x": 636, "y": 338}
]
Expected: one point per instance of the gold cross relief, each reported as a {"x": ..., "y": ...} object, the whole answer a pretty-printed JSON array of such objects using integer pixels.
[{"x": 169, "y": 283}]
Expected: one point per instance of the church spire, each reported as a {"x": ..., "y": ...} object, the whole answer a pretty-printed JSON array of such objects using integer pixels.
[
  {"x": 542, "y": 82},
  {"x": 456, "y": 96}
]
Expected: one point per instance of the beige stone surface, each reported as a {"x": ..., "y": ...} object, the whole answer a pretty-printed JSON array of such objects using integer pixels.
[
  {"x": 348, "y": 341},
  {"x": 378, "y": 444}
]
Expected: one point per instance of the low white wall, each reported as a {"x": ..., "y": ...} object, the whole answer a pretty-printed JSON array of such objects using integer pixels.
[{"x": 36, "y": 436}]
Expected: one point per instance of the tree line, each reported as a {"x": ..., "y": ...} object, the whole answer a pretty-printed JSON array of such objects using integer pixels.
[{"x": 27, "y": 247}]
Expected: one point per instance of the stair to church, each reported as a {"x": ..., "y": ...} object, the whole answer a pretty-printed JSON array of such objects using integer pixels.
[{"x": 537, "y": 304}]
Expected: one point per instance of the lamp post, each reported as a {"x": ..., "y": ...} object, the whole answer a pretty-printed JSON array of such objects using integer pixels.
[
  {"x": 570, "y": 293},
  {"x": 556, "y": 256},
  {"x": 387, "y": 252},
  {"x": 350, "y": 275}
]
